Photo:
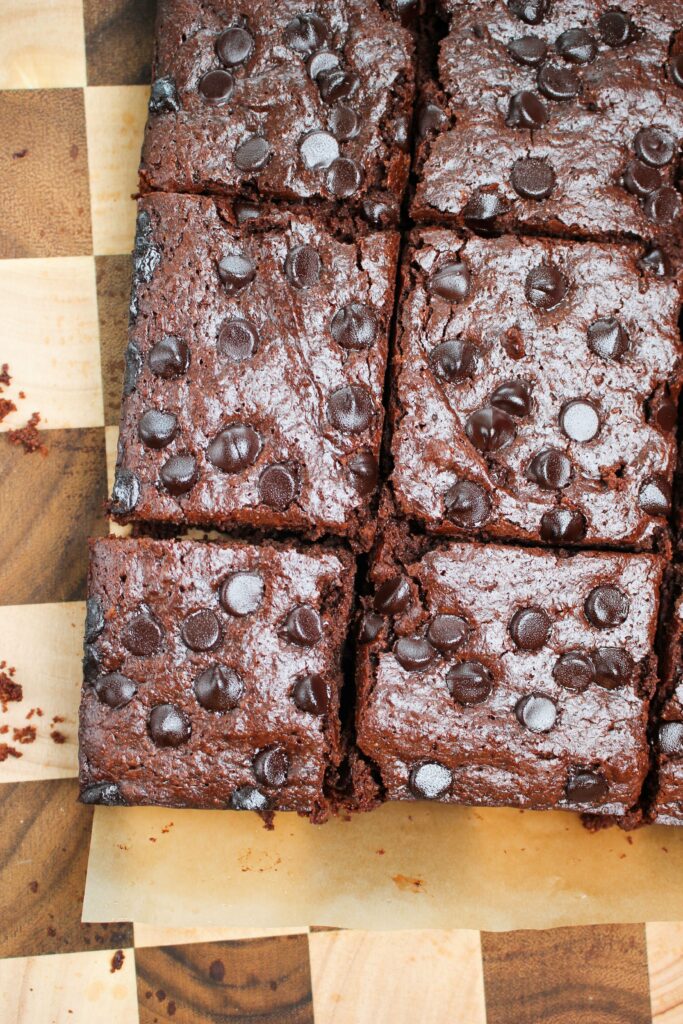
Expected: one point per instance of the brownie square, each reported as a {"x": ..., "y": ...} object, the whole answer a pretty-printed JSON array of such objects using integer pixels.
[
  {"x": 255, "y": 369},
  {"x": 212, "y": 675},
  {"x": 277, "y": 101},
  {"x": 562, "y": 118},
  {"x": 535, "y": 391},
  {"x": 667, "y": 804},
  {"x": 504, "y": 676}
]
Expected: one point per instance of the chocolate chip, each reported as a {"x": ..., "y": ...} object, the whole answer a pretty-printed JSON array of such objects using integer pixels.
[
  {"x": 248, "y": 798},
  {"x": 606, "y": 606},
  {"x": 545, "y": 286},
  {"x": 169, "y": 357},
  {"x": 654, "y": 496},
  {"x": 218, "y": 688},
  {"x": 613, "y": 667},
  {"x": 577, "y": 46},
  {"x": 670, "y": 738},
  {"x": 655, "y": 261},
  {"x": 490, "y": 429},
  {"x": 430, "y": 120},
  {"x": 414, "y": 653},
  {"x": 157, "y": 428},
  {"x": 608, "y": 339},
  {"x": 536, "y": 712},
  {"x": 132, "y": 368},
  {"x": 302, "y": 266},
  {"x": 563, "y": 526},
  {"x": 337, "y": 84},
  {"x": 201, "y": 631},
  {"x": 107, "y": 793},
  {"x": 392, "y": 596},
  {"x": 454, "y": 361},
  {"x": 125, "y": 493},
  {"x": 550, "y": 469},
  {"x": 350, "y": 409},
  {"x": 676, "y": 69},
  {"x": 467, "y": 504},
  {"x": 236, "y": 271},
  {"x": 447, "y": 632},
  {"x": 216, "y": 86},
  {"x": 640, "y": 180},
  {"x": 663, "y": 205},
  {"x": 253, "y": 154},
  {"x": 615, "y": 28},
  {"x": 271, "y": 766},
  {"x": 661, "y": 409},
  {"x": 278, "y": 486},
  {"x": 469, "y": 682},
  {"x": 531, "y": 11},
  {"x": 364, "y": 472},
  {"x": 318, "y": 149},
  {"x": 579, "y": 420},
  {"x": 532, "y": 179},
  {"x": 310, "y": 694},
  {"x": 654, "y": 147},
  {"x": 164, "y": 96},
  {"x": 526, "y": 110},
  {"x": 235, "y": 448},
  {"x": 245, "y": 212},
  {"x": 429, "y": 781},
  {"x": 558, "y": 83},
  {"x": 179, "y": 474},
  {"x": 574, "y": 670},
  {"x": 343, "y": 178},
  {"x": 343, "y": 122},
  {"x": 370, "y": 628},
  {"x": 354, "y": 326},
  {"x": 142, "y": 635},
  {"x": 530, "y": 628},
  {"x": 91, "y": 663},
  {"x": 234, "y": 46},
  {"x": 513, "y": 397},
  {"x": 585, "y": 787},
  {"x": 323, "y": 60},
  {"x": 303, "y": 626},
  {"x": 483, "y": 207},
  {"x": 115, "y": 690},
  {"x": 451, "y": 281},
  {"x": 242, "y": 593},
  {"x": 169, "y": 726},
  {"x": 527, "y": 50},
  {"x": 238, "y": 340},
  {"x": 94, "y": 619},
  {"x": 305, "y": 33}
]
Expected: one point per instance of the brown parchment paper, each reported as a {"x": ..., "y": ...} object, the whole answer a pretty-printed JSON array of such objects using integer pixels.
[{"x": 416, "y": 865}]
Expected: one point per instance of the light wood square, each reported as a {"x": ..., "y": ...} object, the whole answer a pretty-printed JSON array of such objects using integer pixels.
[
  {"x": 665, "y": 967},
  {"x": 42, "y": 44}
]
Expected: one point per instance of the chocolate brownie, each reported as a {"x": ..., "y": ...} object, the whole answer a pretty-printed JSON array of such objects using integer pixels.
[
  {"x": 212, "y": 675},
  {"x": 496, "y": 675},
  {"x": 562, "y": 118},
  {"x": 535, "y": 391},
  {"x": 667, "y": 734},
  {"x": 255, "y": 369},
  {"x": 281, "y": 101}
]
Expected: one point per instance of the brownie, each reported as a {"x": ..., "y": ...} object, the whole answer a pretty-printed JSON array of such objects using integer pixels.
[
  {"x": 279, "y": 101},
  {"x": 503, "y": 676},
  {"x": 212, "y": 675},
  {"x": 562, "y": 118},
  {"x": 255, "y": 369},
  {"x": 667, "y": 733},
  {"x": 535, "y": 391}
]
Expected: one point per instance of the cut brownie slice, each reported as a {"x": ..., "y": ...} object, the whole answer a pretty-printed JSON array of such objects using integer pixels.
[
  {"x": 255, "y": 369},
  {"x": 565, "y": 118},
  {"x": 667, "y": 808},
  {"x": 281, "y": 102},
  {"x": 212, "y": 675},
  {"x": 505, "y": 676},
  {"x": 535, "y": 391}
]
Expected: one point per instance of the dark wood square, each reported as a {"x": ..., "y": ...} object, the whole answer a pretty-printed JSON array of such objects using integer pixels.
[{"x": 119, "y": 39}]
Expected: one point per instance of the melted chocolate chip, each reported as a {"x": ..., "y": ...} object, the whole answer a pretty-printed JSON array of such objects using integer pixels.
[
  {"x": 545, "y": 286},
  {"x": 526, "y": 110},
  {"x": 107, "y": 793},
  {"x": 414, "y": 653},
  {"x": 536, "y": 712},
  {"x": 615, "y": 28},
  {"x": 253, "y": 154},
  {"x": 169, "y": 357},
  {"x": 453, "y": 361},
  {"x": 530, "y": 628},
  {"x": 132, "y": 368},
  {"x": 350, "y": 409},
  {"x": 125, "y": 493},
  {"x": 513, "y": 397},
  {"x": 305, "y": 33},
  {"x": 654, "y": 147},
  {"x": 235, "y": 448},
  {"x": 429, "y": 781},
  {"x": 676, "y": 69},
  {"x": 370, "y": 628},
  {"x": 310, "y": 694},
  {"x": 661, "y": 409},
  {"x": 655, "y": 261},
  {"x": 142, "y": 635},
  {"x": 392, "y": 596},
  {"x": 302, "y": 266},
  {"x": 558, "y": 83},
  {"x": 344, "y": 122},
  {"x": 608, "y": 339},
  {"x": 236, "y": 271},
  {"x": 586, "y": 787},
  {"x": 337, "y": 84},
  {"x": 527, "y": 50},
  {"x": 532, "y": 179},
  {"x": 563, "y": 526},
  {"x": 670, "y": 738},
  {"x": 579, "y": 420},
  {"x": 323, "y": 60},
  {"x": 218, "y": 688},
  {"x": 216, "y": 86},
  {"x": 303, "y": 626},
  {"x": 640, "y": 180},
  {"x": 115, "y": 690},
  {"x": 248, "y": 798},
  {"x": 606, "y": 606},
  {"x": 242, "y": 593},
  {"x": 234, "y": 46},
  {"x": 164, "y": 96},
  {"x": 447, "y": 632},
  {"x": 278, "y": 486},
  {"x": 490, "y": 429},
  {"x": 451, "y": 281},
  {"x": 271, "y": 766},
  {"x": 94, "y": 619},
  {"x": 201, "y": 631},
  {"x": 179, "y": 474},
  {"x": 91, "y": 663},
  {"x": 430, "y": 120},
  {"x": 238, "y": 340},
  {"x": 483, "y": 207},
  {"x": 343, "y": 177},
  {"x": 169, "y": 726},
  {"x": 467, "y": 504},
  {"x": 469, "y": 682},
  {"x": 550, "y": 469},
  {"x": 531, "y": 11},
  {"x": 654, "y": 496},
  {"x": 574, "y": 670},
  {"x": 577, "y": 46},
  {"x": 354, "y": 326},
  {"x": 663, "y": 205},
  {"x": 364, "y": 471},
  {"x": 613, "y": 667},
  {"x": 318, "y": 149},
  {"x": 157, "y": 428}
]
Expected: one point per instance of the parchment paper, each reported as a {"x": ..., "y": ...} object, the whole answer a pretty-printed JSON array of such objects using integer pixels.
[{"x": 416, "y": 865}]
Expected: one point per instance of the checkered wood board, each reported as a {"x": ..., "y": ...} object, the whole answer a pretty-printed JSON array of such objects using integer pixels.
[{"x": 73, "y": 92}]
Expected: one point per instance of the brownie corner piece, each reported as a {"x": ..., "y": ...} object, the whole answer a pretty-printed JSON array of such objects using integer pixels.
[
  {"x": 282, "y": 102},
  {"x": 255, "y": 369},
  {"x": 212, "y": 675},
  {"x": 504, "y": 676},
  {"x": 534, "y": 391}
]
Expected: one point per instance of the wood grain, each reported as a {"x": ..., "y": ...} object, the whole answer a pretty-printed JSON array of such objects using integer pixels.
[
  {"x": 264, "y": 981},
  {"x": 50, "y": 506},
  {"x": 41, "y": 44},
  {"x": 567, "y": 976},
  {"x": 44, "y": 838},
  {"x": 44, "y": 192},
  {"x": 113, "y": 297},
  {"x": 119, "y": 41},
  {"x": 665, "y": 964}
]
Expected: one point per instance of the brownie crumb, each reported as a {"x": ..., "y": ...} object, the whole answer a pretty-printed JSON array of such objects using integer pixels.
[
  {"x": 28, "y": 436},
  {"x": 6, "y": 407},
  {"x": 19, "y": 154},
  {"x": 25, "y": 735},
  {"x": 51, "y": 931},
  {"x": 57, "y": 737},
  {"x": 171, "y": 1008},
  {"x": 7, "y": 751},
  {"x": 117, "y": 961},
  {"x": 9, "y": 690},
  {"x": 4, "y": 729},
  {"x": 4, "y": 374},
  {"x": 217, "y": 970},
  {"x": 33, "y": 886}
]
